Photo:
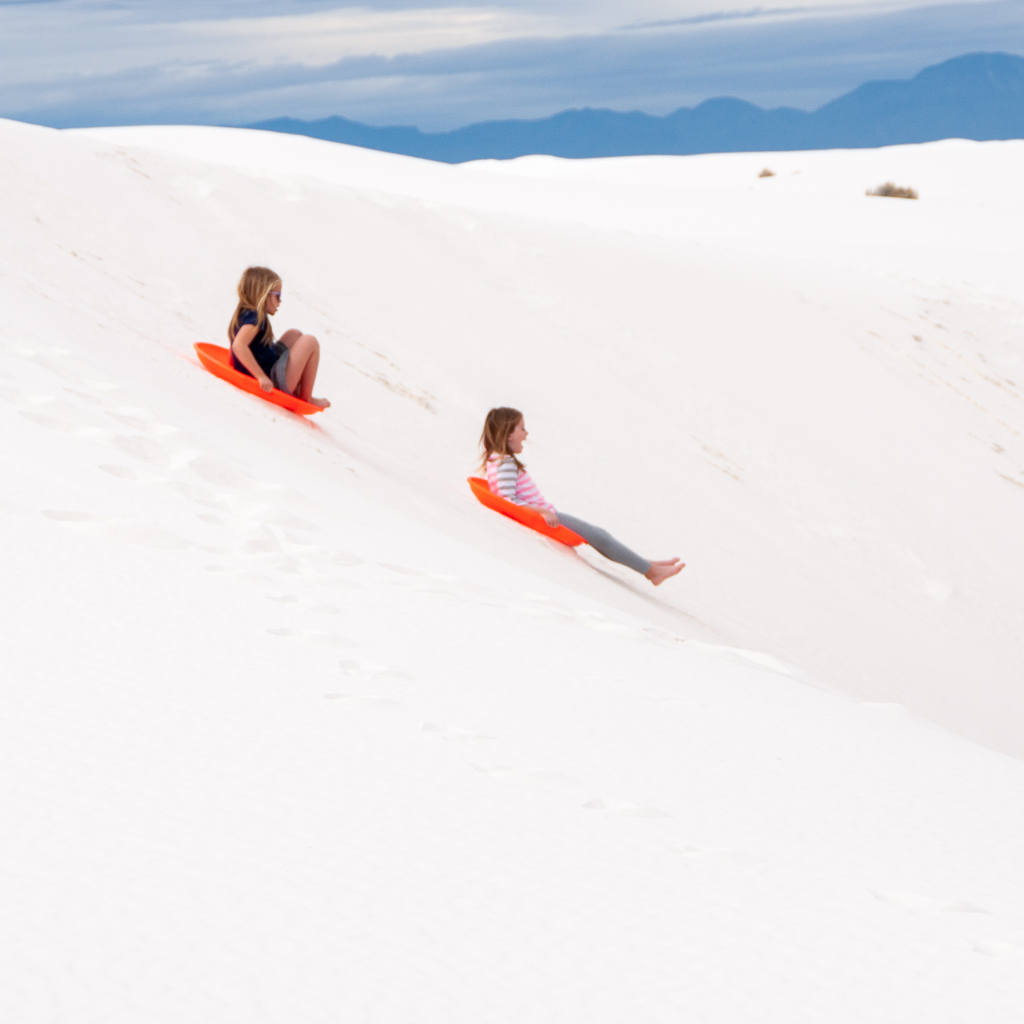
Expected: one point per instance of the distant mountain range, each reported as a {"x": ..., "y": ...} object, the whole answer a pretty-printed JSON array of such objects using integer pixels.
[{"x": 976, "y": 96}]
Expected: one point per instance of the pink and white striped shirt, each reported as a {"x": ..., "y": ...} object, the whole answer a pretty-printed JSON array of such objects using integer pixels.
[{"x": 509, "y": 482}]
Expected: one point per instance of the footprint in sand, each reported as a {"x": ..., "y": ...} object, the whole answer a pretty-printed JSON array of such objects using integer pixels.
[
  {"x": 150, "y": 537},
  {"x": 260, "y": 512},
  {"x": 317, "y": 609},
  {"x": 122, "y": 472},
  {"x": 63, "y": 363},
  {"x": 63, "y": 417},
  {"x": 92, "y": 399},
  {"x": 145, "y": 449},
  {"x": 139, "y": 419},
  {"x": 993, "y": 947},
  {"x": 212, "y": 518},
  {"x": 926, "y": 904},
  {"x": 314, "y": 639},
  {"x": 263, "y": 546},
  {"x": 214, "y": 471},
  {"x": 73, "y": 517},
  {"x": 249, "y": 579},
  {"x": 280, "y": 517},
  {"x": 622, "y": 809},
  {"x": 519, "y": 777},
  {"x": 338, "y": 557},
  {"x": 122, "y": 530},
  {"x": 698, "y": 853},
  {"x": 404, "y": 570},
  {"x": 446, "y": 732},
  {"x": 22, "y": 398},
  {"x": 367, "y": 670},
  {"x": 149, "y": 451},
  {"x": 191, "y": 492},
  {"x": 289, "y": 566},
  {"x": 365, "y": 702}
]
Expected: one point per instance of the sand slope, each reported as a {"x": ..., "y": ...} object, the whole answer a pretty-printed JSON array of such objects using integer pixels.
[{"x": 301, "y": 732}]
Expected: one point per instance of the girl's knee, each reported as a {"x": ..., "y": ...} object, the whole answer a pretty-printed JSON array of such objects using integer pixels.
[{"x": 305, "y": 346}]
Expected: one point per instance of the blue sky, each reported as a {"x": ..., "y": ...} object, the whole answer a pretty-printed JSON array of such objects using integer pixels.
[{"x": 89, "y": 62}]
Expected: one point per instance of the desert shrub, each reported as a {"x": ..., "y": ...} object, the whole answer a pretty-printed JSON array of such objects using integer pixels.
[
  {"x": 766, "y": 174},
  {"x": 892, "y": 191}
]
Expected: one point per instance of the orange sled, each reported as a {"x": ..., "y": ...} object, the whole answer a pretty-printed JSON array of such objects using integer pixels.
[
  {"x": 521, "y": 514},
  {"x": 217, "y": 360}
]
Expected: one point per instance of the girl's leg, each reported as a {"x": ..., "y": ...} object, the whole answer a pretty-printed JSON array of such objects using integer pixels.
[
  {"x": 289, "y": 337},
  {"x": 303, "y": 362},
  {"x": 615, "y": 551},
  {"x": 603, "y": 541}
]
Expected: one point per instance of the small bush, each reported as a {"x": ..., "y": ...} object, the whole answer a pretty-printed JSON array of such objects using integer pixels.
[
  {"x": 766, "y": 174},
  {"x": 892, "y": 191}
]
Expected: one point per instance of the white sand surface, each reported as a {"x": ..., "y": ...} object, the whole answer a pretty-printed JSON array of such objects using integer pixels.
[{"x": 295, "y": 730}]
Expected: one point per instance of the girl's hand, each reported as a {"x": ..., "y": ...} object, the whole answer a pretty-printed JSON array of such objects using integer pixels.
[
  {"x": 550, "y": 517},
  {"x": 266, "y": 384}
]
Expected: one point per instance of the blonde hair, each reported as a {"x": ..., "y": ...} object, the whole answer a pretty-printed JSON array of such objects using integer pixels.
[
  {"x": 254, "y": 289},
  {"x": 498, "y": 425}
]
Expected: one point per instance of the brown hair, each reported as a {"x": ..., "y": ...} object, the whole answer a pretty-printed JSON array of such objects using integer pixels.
[
  {"x": 253, "y": 291},
  {"x": 494, "y": 439}
]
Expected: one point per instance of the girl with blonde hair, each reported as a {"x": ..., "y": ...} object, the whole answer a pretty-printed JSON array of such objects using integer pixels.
[
  {"x": 288, "y": 364},
  {"x": 502, "y": 442}
]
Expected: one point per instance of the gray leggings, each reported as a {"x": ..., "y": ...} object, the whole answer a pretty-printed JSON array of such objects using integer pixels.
[{"x": 603, "y": 541}]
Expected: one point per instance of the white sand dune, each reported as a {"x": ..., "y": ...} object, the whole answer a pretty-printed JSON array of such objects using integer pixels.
[{"x": 295, "y": 730}]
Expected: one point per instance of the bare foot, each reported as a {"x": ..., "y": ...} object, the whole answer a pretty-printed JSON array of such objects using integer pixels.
[
  {"x": 659, "y": 572},
  {"x": 665, "y": 561},
  {"x": 323, "y": 403}
]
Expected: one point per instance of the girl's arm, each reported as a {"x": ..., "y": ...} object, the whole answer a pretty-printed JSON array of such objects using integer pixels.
[
  {"x": 243, "y": 353},
  {"x": 505, "y": 477}
]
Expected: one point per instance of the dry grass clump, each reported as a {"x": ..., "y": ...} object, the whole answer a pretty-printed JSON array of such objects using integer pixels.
[
  {"x": 766, "y": 174},
  {"x": 892, "y": 191}
]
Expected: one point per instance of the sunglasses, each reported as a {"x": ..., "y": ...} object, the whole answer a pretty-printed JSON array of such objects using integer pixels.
[{"x": 277, "y": 295}]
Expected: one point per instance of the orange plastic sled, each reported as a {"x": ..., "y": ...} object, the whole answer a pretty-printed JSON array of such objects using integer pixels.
[
  {"x": 522, "y": 514},
  {"x": 217, "y": 360}
]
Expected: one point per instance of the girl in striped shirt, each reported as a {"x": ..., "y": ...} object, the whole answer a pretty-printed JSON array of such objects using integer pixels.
[{"x": 502, "y": 441}]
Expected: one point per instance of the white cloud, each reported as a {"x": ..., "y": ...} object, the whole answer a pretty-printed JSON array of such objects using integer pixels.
[
  {"x": 323, "y": 37},
  {"x": 74, "y": 62},
  {"x": 64, "y": 37}
]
